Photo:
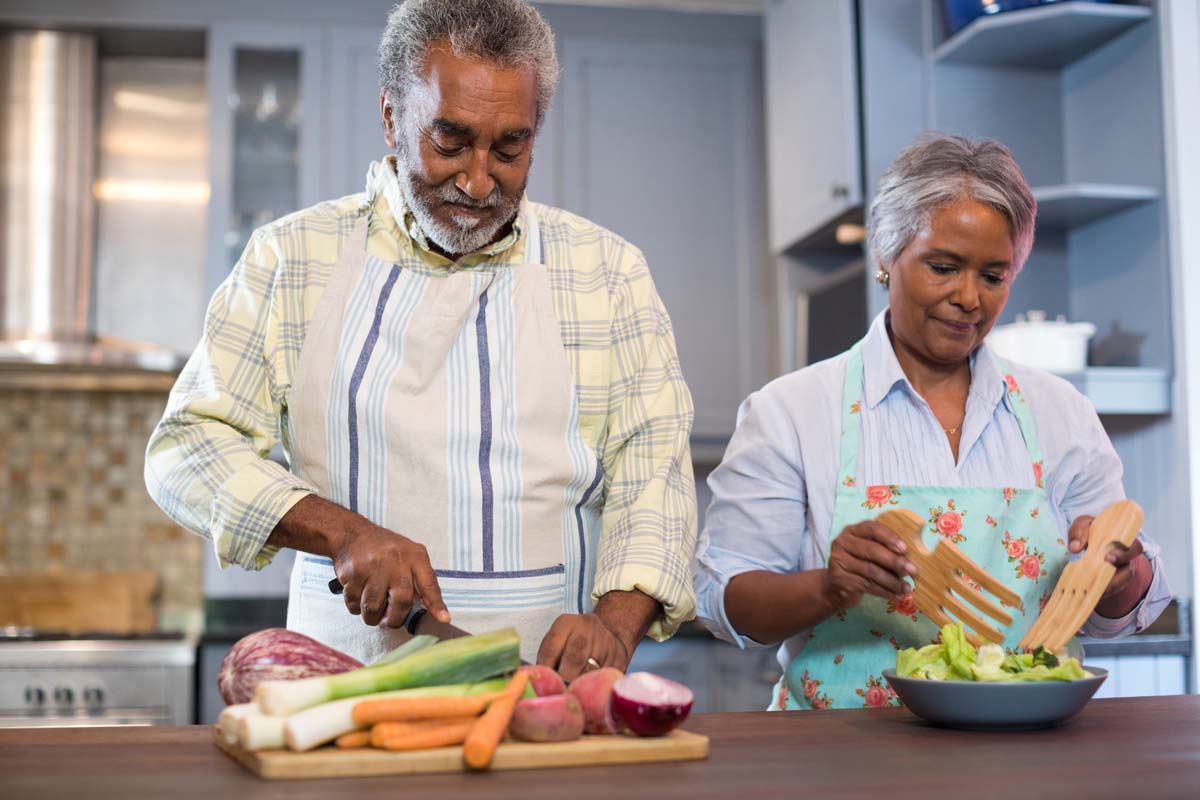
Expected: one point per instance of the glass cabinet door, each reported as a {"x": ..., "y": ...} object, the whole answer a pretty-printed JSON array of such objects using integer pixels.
[{"x": 266, "y": 134}]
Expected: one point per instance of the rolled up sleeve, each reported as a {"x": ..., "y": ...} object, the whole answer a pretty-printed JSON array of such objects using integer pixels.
[
  {"x": 757, "y": 519},
  {"x": 1096, "y": 482},
  {"x": 206, "y": 462},
  {"x": 649, "y": 520}
]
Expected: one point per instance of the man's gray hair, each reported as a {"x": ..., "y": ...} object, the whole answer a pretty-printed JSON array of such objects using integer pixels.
[
  {"x": 938, "y": 169},
  {"x": 510, "y": 33}
]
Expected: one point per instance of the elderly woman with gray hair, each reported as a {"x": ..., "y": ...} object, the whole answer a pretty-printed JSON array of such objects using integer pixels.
[{"x": 1009, "y": 463}]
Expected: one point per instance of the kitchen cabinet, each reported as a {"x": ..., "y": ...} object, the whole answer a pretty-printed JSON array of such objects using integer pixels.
[
  {"x": 266, "y": 144},
  {"x": 814, "y": 155}
]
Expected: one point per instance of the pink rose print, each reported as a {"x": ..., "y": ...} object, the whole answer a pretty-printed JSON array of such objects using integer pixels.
[
  {"x": 838, "y": 658},
  {"x": 1009, "y": 494},
  {"x": 848, "y": 482},
  {"x": 1014, "y": 547},
  {"x": 971, "y": 583},
  {"x": 1012, "y": 383},
  {"x": 947, "y": 522},
  {"x": 1031, "y": 567},
  {"x": 841, "y": 614},
  {"x": 905, "y": 606},
  {"x": 990, "y": 521},
  {"x": 1037, "y": 474},
  {"x": 892, "y": 641},
  {"x": 812, "y": 693},
  {"x": 876, "y": 693},
  {"x": 781, "y": 698},
  {"x": 880, "y": 496},
  {"x": 876, "y": 633},
  {"x": 1034, "y": 514},
  {"x": 855, "y": 407}
]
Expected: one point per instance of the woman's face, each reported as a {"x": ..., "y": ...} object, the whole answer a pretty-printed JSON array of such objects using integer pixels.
[{"x": 951, "y": 282}]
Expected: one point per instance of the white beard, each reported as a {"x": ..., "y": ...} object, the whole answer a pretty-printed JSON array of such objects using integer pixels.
[{"x": 467, "y": 234}]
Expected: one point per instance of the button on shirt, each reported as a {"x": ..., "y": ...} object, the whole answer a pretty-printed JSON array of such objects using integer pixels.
[
  {"x": 773, "y": 494},
  {"x": 206, "y": 464}
]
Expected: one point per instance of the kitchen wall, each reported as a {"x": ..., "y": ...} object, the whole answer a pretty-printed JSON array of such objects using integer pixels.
[{"x": 73, "y": 498}]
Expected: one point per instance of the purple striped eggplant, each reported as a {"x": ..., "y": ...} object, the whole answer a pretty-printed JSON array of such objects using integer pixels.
[{"x": 276, "y": 654}]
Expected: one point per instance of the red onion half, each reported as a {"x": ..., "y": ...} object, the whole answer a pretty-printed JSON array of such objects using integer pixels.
[{"x": 649, "y": 705}]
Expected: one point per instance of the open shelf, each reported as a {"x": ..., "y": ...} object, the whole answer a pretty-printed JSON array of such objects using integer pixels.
[
  {"x": 1049, "y": 37},
  {"x": 1073, "y": 204},
  {"x": 1125, "y": 390}
]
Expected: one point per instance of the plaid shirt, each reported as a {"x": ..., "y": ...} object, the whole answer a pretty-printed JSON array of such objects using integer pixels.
[{"x": 206, "y": 463}]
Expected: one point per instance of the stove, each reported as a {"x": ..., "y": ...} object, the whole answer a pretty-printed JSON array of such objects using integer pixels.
[{"x": 57, "y": 679}]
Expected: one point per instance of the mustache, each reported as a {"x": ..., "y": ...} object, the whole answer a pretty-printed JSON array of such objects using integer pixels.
[{"x": 449, "y": 193}]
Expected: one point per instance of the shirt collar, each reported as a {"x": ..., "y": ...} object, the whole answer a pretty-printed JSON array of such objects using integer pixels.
[
  {"x": 387, "y": 200},
  {"x": 882, "y": 373}
]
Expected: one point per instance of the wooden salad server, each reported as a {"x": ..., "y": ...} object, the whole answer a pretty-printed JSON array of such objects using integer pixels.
[
  {"x": 940, "y": 575},
  {"x": 1084, "y": 580}
]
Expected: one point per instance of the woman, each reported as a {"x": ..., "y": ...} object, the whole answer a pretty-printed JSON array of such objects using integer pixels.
[{"x": 1009, "y": 463}]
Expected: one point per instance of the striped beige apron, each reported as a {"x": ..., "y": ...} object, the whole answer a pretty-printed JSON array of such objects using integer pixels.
[{"x": 440, "y": 404}]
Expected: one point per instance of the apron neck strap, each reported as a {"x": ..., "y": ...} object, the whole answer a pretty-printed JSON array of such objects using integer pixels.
[
  {"x": 852, "y": 390},
  {"x": 1016, "y": 399},
  {"x": 533, "y": 235}
]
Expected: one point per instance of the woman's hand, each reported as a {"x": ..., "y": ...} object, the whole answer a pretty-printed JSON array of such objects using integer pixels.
[
  {"x": 1132, "y": 578},
  {"x": 866, "y": 558}
]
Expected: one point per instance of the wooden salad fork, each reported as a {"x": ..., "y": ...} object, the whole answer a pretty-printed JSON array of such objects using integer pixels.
[
  {"x": 940, "y": 574},
  {"x": 1083, "y": 582}
]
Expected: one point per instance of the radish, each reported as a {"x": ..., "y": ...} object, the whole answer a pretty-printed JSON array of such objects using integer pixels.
[
  {"x": 649, "y": 705},
  {"x": 593, "y": 690}
]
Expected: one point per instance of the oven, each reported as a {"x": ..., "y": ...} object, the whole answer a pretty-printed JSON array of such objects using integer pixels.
[{"x": 49, "y": 680}]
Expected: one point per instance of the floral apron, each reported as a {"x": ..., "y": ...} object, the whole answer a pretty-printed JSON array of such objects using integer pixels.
[
  {"x": 440, "y": 403},
  {"x": 1011, "y": 533}
]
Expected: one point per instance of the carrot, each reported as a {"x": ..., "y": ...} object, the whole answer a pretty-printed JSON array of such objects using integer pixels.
[
  {"x": 396, "y": 709},
  {"x": 353, "y": 740},
  {"x": 489, "y": 729},
  {"x": 421, "y": 735}
]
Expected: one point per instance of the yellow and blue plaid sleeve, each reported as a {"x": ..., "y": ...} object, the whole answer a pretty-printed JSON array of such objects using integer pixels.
[
  {"x": 649, "y": 517},
  {"x": 206, "y": 464}
]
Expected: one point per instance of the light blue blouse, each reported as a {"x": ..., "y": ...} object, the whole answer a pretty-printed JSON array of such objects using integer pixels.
[{"x": 773, "y": 494}]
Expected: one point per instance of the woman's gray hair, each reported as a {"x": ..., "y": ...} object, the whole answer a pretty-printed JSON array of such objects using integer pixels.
[
  {"x": 510, "y": 33},
  {"x": 938, "y": 169}
]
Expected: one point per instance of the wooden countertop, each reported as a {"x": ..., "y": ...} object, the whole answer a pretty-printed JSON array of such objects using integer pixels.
[{"x": 1130, "y": 748}]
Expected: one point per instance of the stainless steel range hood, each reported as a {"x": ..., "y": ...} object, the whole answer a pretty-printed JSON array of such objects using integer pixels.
[{"x": 48, "y": 85}]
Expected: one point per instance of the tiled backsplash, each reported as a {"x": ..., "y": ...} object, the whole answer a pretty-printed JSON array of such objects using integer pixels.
[{"x": 72, "y": 495}]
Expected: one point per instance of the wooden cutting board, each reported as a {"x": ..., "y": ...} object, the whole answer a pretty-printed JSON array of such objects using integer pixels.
[{"x": 330, "y": 762}]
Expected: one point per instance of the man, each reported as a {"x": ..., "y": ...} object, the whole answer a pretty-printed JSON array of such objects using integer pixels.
[{"x": 479, "y": 396}]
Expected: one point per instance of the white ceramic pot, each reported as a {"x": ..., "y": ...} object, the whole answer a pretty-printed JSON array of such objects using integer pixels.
[{"x": 1053, "y": 345}]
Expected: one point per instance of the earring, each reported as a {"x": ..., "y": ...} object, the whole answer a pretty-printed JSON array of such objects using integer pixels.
[{"x": 882, "y": 277}]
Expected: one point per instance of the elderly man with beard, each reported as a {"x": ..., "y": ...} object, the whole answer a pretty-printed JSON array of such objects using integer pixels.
[{"x": 479, "y": 396}]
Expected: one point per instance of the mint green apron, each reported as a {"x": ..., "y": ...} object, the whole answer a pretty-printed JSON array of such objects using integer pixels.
[{"x": 1011, "y": 533}]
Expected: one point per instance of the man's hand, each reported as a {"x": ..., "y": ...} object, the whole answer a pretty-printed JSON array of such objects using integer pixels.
[
  {"x": 382, "y": 573},
  {"x": 1132, "y": 578},
  {"x": 608, "y": 636}
]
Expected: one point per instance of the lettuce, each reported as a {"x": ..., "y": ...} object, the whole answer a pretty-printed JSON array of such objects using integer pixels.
[{"x": 956, "y": 659}]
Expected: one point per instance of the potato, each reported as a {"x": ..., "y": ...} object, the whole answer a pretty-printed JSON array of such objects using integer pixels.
[
  {"x": 544, "y": 680},
  {"x": 553, "y": 718},
  {"x": 593, "y": 690}
]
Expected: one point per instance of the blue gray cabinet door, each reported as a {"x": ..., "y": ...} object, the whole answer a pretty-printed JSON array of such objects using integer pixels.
[
  {"x": 813, "y": 149},
  {"x": 662, "y": 144}
]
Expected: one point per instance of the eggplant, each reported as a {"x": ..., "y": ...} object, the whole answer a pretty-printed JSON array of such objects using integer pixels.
[{"x": 276, "y": 654}]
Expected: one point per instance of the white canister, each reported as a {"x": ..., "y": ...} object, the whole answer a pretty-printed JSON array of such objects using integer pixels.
[{"x": 1055, "y": 346}]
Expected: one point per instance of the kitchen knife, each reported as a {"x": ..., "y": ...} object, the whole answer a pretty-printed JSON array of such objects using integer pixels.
[{"x": 421, "y": 621}]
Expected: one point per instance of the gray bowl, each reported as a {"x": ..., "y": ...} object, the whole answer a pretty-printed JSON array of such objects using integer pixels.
[{"x": 976, "y": 705}]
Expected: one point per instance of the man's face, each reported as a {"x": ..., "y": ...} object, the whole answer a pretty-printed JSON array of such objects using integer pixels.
[{"x": 464, "y": 141}]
